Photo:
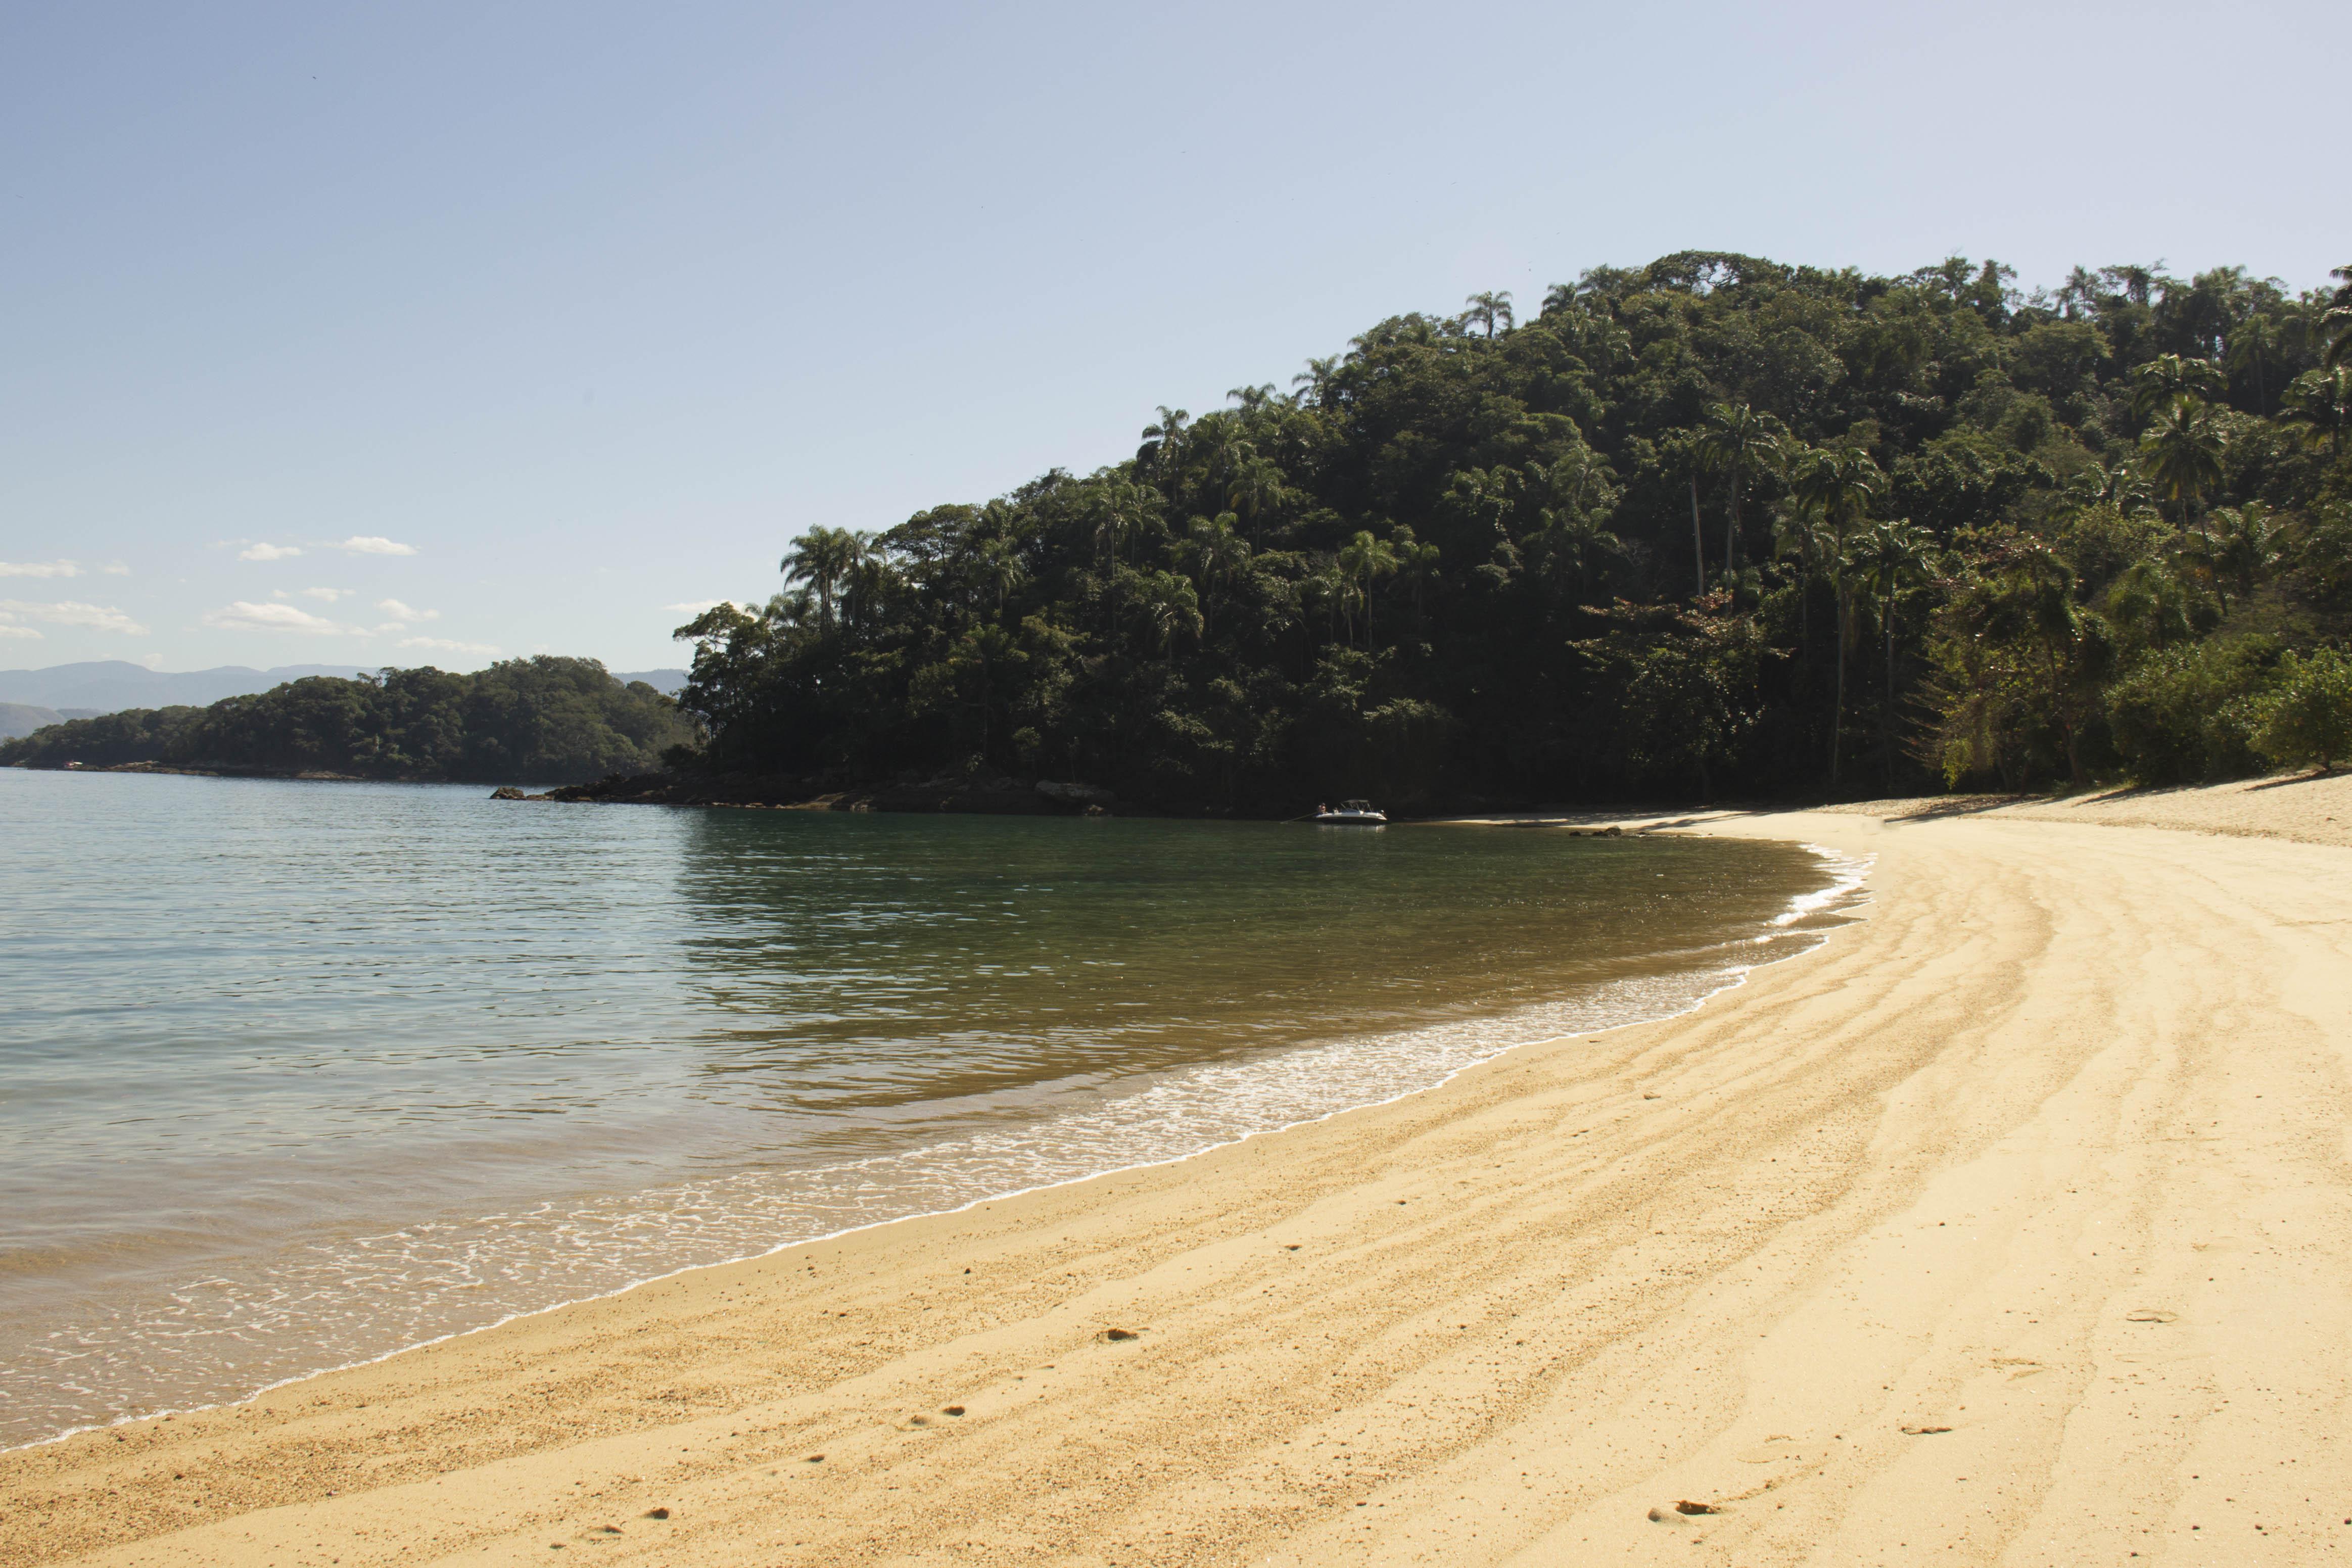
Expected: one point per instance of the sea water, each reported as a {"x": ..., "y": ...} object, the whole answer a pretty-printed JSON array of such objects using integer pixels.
[{"x": 297, "y": 1074}]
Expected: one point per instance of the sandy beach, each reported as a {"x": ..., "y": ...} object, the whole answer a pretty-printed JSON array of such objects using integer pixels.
[{"x": 2013, "y": 1225}]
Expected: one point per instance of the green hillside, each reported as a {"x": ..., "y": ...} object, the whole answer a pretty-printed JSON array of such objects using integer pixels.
[
  {"x": 547, "y": 720},
  {"x": 1713, "y": 524}
]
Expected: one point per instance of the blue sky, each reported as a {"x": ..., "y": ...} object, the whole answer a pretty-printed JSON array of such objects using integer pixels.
[{"x": 408, "y": 334}]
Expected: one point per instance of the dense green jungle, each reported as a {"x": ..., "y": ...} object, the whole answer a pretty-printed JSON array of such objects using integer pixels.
[
  {"x": 1714, "y": 527},
  {"x": 548, "y": 720},
  {"x": 1711, "y": 526}
]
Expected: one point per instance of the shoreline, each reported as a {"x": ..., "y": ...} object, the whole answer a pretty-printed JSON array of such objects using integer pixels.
[
  {"x": 1956, "y": 1152},
  {"x": 1786, "y": 936}
]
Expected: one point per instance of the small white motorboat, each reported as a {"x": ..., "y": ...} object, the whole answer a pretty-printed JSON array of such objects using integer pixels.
[{"x": 1352, "y": 814}]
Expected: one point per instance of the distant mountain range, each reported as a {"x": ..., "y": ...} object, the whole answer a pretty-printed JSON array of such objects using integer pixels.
[
  {"x": 24, "y": 718},
  {"x": 110, "y": 686}
]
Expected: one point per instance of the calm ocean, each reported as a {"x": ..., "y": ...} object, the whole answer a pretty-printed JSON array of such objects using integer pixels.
[{"x": 294, "y": 1075}]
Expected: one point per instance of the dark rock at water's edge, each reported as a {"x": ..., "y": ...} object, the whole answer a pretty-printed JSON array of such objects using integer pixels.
[{"x": 984, "y": 795}]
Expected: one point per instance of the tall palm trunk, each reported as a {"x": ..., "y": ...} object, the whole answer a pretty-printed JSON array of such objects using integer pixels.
[
  {"x": 1699, "y": 544},
  {"x": 1731, "y": 526}
]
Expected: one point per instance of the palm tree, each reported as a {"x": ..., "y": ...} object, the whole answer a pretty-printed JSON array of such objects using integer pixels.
[
  {"x": 2339, "y": 320},
  {"x": 1128, "y": 513},
  {"x": 2253, "y": 350},
  {"x": 1416, "y": 562},
  {"x": 1799, "y": 532},
  {"x": 869, "y": 577},
  {"x": 822, "y": 558},
  {"x": 1162, "y": 441},
  {"x": 1256, "y": 488},
  {"x": 2182, "y": 452},
  {"x": 2320, "y": 400},
  {"x": 1734, "y": 439},
  {"x": 1891, "y": 558},
  {"x": 1363, "y": 560},
  {"x": 1576, "y": 536},
  {"x": 2150, "y": 602},
  {"x": 1490, "y": 308},
  {"x": 1217, "y": 553},
  {"x": 1170, "y": 607},
  {"x": 2078, "y": 296},
  {"x": 997, "y": 563},
  {"x": 1837, "y": 485},
  {"x": 990, "y": 647},
  {"x": 1482, "y": 495},
  {"x": 2247, "y": 548},
  {"x": 1317, "y": 376},
  {"x": 2167, "y": 378},
  {"x": 1685, "y": 444}
]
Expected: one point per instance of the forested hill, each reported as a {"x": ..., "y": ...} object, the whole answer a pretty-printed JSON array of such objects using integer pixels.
[
  {"x": 1711, "y": 526},
  {"x": 539, "y": 720}
]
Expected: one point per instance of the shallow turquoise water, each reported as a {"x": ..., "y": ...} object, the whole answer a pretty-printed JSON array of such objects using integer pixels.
[{"x": 296, "y": 1074}]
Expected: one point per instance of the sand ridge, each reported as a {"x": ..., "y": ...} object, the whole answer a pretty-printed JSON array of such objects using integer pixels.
[{"x": 2011, "y": 1227}]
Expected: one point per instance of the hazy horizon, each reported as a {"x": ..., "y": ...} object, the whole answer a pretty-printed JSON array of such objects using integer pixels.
[{"x": 439, "y": 335}]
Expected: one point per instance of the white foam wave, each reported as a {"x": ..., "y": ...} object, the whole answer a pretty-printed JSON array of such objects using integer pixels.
[{"x": 357, "y": 1298}]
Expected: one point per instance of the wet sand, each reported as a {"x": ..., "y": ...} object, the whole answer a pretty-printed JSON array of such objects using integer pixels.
[{"x": 2013, "y": 1225}]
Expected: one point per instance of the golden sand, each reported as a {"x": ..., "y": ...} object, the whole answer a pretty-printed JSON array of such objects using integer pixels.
[{"x": 2013, "y": 1225}]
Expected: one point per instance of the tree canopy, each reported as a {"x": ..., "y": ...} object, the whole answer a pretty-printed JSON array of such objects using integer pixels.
[
  {"x": 1649, "y": 540},
  {"x": 541, "y": 720}
]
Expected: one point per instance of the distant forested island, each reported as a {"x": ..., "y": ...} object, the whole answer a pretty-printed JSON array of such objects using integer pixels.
[
  {"x": 1715, "y": 524},
  {"x": 544, "y": 720}
]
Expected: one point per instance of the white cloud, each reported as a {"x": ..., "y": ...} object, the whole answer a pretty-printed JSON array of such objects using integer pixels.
[
  {"x": 326, "y": 595},
  {"x": 116, "y": 569},
  {"x": 448, "y": 645},
  {"x": 268, "y": 552},
  {"x": 399, "y": 611},
  {"x": 152, "y": 661},
  {"x": 39, "y": 569},
  {"x": 375, "y": 544},
  {"x": 693, "y": 606},
  {"x": 242, "y": 616},
  {"x": 70, "y": 613},
  {"x": 9, "y": 630}
]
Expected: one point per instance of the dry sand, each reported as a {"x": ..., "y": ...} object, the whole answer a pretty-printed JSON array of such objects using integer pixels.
[{"x": 2013, "y": 1226}]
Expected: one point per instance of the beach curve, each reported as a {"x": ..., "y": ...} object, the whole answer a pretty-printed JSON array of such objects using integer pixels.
[{"x": 2009, "y": 1225}]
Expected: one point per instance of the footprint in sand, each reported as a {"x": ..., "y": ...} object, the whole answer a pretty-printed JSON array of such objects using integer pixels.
[{"x": 2150, "y": 1316}]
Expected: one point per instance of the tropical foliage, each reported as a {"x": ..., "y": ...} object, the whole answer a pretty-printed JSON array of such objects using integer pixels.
[
  {"x": 1711, "y": 525},
  {"x": 540, "y": 720}
]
